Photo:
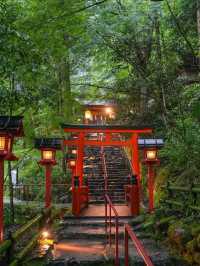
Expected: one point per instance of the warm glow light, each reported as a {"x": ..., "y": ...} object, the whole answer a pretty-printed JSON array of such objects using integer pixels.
[
  {"x": 151, "y": 155},
  {"x": 2, "y": 143},
  {"x": 45, "y": 234},
  {"x": 74, "y": 151},
  {"x": 47, "y": 155},
  {"x": 72, "y": 163},
  {"x": 88, "y": 115},
  {"x": 109, "y": 110}
]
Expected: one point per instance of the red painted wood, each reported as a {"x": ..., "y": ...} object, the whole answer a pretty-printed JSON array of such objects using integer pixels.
[
  {"x": 133, "y": 198},
  {"x": 126, "y": 258},
  {"x": 98, "y": 143},
  {"x": 80, "y": 155},
  {"x": 151, "y": 176},
  {"x": 1, "y": 197},
  {"x": 108, "y": 217},
  {"x": 93, "y": 130},
  {"x": 138, "y": 245},
  {"x": 48, "y": 185},
  {"x": 79, "y": 199},
  {"x": 135, "y": 161}
]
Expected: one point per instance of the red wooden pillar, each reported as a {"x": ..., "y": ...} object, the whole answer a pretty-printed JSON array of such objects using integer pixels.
[
  {"x": 135, "y": 156},
  {"x": 76, "y": 201},
  {"x": 151, "y": 176},
  {"x": 136, "y": 171},
  {"x": 48, "y": 186},
  {"x": 135, "y": 200},
  {"x": 80, "y": 155},
  {"x": 73, "y": 174},
  {"x": 1, "y": 197}
]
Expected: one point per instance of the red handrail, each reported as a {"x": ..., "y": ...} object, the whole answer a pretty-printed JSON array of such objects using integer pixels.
[
  {"x": 138, "y": 245},
  {"x": 105, "y": 173},
  {"x": 109, "y": 203}
]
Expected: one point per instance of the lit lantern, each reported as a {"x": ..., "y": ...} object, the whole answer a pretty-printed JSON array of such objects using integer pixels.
[
  {"x": 10, "y": 156},
  {"x": 88, "y": 115},
  {"x": 5, "y": 145},
  {"x": 48, "y": 156},
  {"x": 150, "y": 155},
  {"x": 150, "y": 159},
  {"x": 72, "y": 163},
  {"x": 74, "y": 151},
  {"x": 108, "y": 110},
  {"x": 110, "y": 113}
]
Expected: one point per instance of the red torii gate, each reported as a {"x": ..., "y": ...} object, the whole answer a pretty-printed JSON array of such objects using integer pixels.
[{"x": 107, "y": 130}]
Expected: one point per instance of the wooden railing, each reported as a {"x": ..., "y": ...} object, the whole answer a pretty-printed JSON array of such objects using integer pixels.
[
  {"x": 35, "y": 192},
  {"x": 80, "y": 199},
  {"x": 105, "y": 172},
  {"x": 138, "y": 246},
  {"x": 184, "y": 198},
  {"x": 132, "y": 198},
  {"x": 109, "y": 209},
  {"x": 7, "y": 247}
]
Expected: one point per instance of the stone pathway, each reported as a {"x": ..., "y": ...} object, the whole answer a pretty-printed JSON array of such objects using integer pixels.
[
  {"x": 82, "y": 241},
  {"x": 99, "y": 210}
]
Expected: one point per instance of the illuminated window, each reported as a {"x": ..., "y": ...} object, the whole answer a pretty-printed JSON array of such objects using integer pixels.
[{"x": 88, "y": 115}]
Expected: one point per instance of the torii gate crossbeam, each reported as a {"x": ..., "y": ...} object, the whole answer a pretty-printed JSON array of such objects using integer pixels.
[{"x": 83, "y": 130}]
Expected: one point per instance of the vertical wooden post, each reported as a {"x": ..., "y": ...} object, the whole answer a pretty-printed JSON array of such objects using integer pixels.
[
  {"x": 135, "y": 200},
  {"x": 1, "y": 197},
  {"x": 136, "y": 189},
  {"x": 151, "y": 187},
  {"x": 48, "y": 184},
  {"x": 135, "y": 156},
  {"x": 80, "y": 155}
]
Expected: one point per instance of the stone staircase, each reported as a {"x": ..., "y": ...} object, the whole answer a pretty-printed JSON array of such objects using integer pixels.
[
  {"x": 118, "y": 173},
  {"x": 82, "y": 241}
]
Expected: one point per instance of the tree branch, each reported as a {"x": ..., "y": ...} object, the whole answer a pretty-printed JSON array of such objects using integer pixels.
[
  {"x": 78, "y": 10},
  {"x": 92, "y": 85}
]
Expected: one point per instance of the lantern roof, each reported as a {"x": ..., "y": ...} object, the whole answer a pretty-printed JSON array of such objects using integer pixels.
[
  {"x": 150, "y": 143},
  {"x": 51, "y": 143},
  {"x": 12, "y": 125}
]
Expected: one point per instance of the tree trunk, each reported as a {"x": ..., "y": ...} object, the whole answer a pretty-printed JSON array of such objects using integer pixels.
[
  {"x": 198, "y": 22},
  {"x": 162, "y": 100},
  {"x": 65, "y": 89},
  {"x": 11, "y": 195}
]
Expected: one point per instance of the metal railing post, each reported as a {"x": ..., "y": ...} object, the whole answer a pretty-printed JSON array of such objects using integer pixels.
[
  {"x": 126, "y": 258},
  {"x": 110, "y": 225},
  {"x": 116, "y": 242}
]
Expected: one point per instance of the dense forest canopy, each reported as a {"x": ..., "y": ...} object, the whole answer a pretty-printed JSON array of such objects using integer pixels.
[{"x": 142, "y": 54}]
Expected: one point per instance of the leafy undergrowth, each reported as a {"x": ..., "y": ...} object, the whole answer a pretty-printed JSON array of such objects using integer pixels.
[{"x": 181, "y": 234}]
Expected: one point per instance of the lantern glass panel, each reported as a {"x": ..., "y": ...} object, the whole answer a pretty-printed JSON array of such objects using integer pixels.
[
  {"x": 2, "y": 143},
  {"x": 47, "y": 155},
  {"x": 72, "y": 163},
  {"x": 151, "y": 155},
  {"x": 74, "y": 151}
]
